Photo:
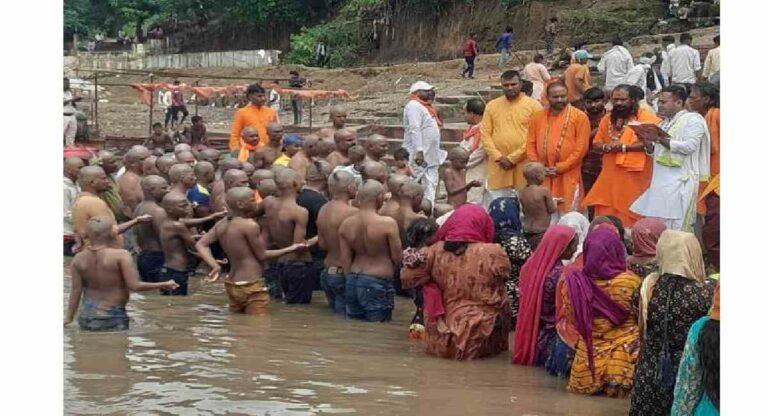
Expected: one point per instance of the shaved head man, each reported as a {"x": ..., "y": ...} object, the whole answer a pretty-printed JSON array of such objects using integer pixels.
[
  {"x": 309, "y": 151},
  {"x": 235, "y": 178},
  {"x": 338, "y": 118},
  {"x": 376, "y": 147},
  {"x": 182, "y": 179},
  {"x": 129, "y": 184},
  {"x": 164, "y": 164},
  {"x": 108, "y": 162},
  {"x": 151, "y": 259},
  {"x": 149, "y": 166},
  {"x": 392, "y": 205},
  {"x": 374, "y": 170},
  {"x": 217, "y": 191},
  {"x": 186, "y": 156},
  {"x": 72, "y": 166},
  {"x": 344, "y": 139},
  {"x": 210, "y": 155},
  {"x": 181, "y": 147}
]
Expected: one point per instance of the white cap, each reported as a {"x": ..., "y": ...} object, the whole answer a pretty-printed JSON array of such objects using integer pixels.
[{"x": 421, "y": 85}]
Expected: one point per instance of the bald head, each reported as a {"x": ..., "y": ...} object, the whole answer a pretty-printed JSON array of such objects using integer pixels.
[
  {"x": 154, "y": 187},
  {"x": 395, "y": 182},
  {"x": 248, "y": 168},
  {"x": 325, "y": 147},
  {"x": 267, "y": 187},
  {"x": 186, "y": 156},
  {"x": 239, "y": 199},
  {"x": 235, "y": 178},
  {"x": 100, "y": 229},
  {"x": 411, "y": 190},
  {"x": 318, "y": 171},
  {"x": 179, "y": 172},
  {"x": 205, "y": 172},
  {"x": 108, "y": 161},
  {"x": 338, "y": 116},
  {"x": 344, "y": 139},
  {"x": 250, "y": 136},
  {"x": 210, "y": 155},
  {"x": 342, "y": 183},
  {"x": 230, "y": 164},
  {"x": 311, "y": 145},
  {"x": 377, "y": 146},
  {"x": 93, "y": 179},
  {"x": 165, "y": 162},
  {"x": 181, "y": 147},
  {"x": 370, "y": 191},
  {"x": 374, "y": 170},
  {"x": 286, "y": 179},
  {"x": 135, "y": 156},
  {"x": 149, "y": 166},
  {"x": 259, "y": 175},
  {"x": 72, "y": 166},
  {"x": 275, "y": 132}
]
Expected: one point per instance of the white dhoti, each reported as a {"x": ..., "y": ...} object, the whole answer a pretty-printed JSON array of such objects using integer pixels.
[
  {"x": 428, "y": 178},
  {"x": 671, "y": 198}
]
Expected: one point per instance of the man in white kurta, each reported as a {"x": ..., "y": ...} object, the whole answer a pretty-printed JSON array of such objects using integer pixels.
[
  {"x": 681, "y": 162},
  {"x": 422, "y": 137},
  {"x": 615, "y": 64}
]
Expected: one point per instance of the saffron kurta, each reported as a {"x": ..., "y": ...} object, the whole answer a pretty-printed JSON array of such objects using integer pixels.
[
  {"x": 556, "y": 144},
  {"x": 474, "y": 298},
  {"x": 624, "y": 176},
  {"x": 615, "y": 347},
  {"x": 504, "y": 132},
  {"x": 251, "y": 116},
  {"x": 713, "y": 122}
]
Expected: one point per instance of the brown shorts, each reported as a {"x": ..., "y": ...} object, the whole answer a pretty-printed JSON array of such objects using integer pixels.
[{"x": 252, "y": 296}]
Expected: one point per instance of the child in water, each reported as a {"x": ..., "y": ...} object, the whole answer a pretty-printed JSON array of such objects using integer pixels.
[{"x": 421, "y": 233}]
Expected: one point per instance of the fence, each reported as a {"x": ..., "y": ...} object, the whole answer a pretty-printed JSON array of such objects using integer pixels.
[{"x": 136, "y": 59}]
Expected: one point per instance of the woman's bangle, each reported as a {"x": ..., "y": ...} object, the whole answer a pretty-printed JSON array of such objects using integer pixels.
[{"x": 604, "y": 148}]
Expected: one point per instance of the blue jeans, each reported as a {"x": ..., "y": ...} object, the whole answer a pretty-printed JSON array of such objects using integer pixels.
[
  {"x": 150, "y": 263},
  {"x": 334, "y": 284},
  {"x": 92, "y": 318},
  {"x": 181, "y": 277},
  {"x": 470, "y": 70},
  {"x": 369, "y": 298}
]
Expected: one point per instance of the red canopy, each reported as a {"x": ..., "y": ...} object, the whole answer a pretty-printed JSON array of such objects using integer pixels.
[{"x": 207, "y": 92}]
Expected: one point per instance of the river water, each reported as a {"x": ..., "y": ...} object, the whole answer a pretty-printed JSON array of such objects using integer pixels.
[{"x": 189, "y": 356}]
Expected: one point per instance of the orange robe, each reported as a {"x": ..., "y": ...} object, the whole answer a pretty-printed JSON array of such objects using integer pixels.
[
  {"x": 624, "y": 177},
  {"x": 566, "y": 146},
  {"x": 250, "y": 116},
  {"x": 713, "y": 122}
]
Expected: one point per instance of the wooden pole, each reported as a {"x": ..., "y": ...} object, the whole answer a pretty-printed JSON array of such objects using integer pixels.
[
  {"x": 310, "y": 114},
  {"x": 197, "y": 84},
  {"x": 151, "y": 104},
  {"x": 96, "y": 101}
]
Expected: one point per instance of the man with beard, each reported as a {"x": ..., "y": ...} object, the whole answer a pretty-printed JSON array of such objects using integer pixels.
[
  {"x": 558, "y": 138},
  {"x": 594, "y": 105},
  {"x": 681, "y": 162},
  {"x": 504, "y": 131},
  {"x": 627, "y": 169}
]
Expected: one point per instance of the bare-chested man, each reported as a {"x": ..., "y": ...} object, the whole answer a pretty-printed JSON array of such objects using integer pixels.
[
  {"x": 150, "y": 260},
  {"x": 104, "y": 275},
  {"x": 537, "y": 203},
  {"x": 392, "y": 205},
  {"x": 181, "y": 147},
  {"x": 309, "y": 151},
  {"x": 344, "y": 139},
  {"x": 338, "y": 116},
  {"x": 248, "y": 168},
  {"x": 164, "y": 164},
  {"x": 369, "y": 248},
  {"x": 217, "y": 191},
  {"x": 94, "y": 182},
  {"x": 258, "y": 176},
  {"x": 149, "y": 166},
  {"x": 240, "y": 237},
  {"x": 160, "y": 141},
  {"x": 266, "y": 188},
  {"x": 182, "y": 178},
  {"x": 129, "y": 184},
  {"x": 265, "y": 155},
  {"x": 177, "y": 241},
  {"x": 376, "y": 147},
  {"x": 411, "y": 196},
  {"x": 210, "y": 155},
  {"x": 342, "y": 187},
  {"x": 108, "y": 162},
  {"x": 186, "y": 157},
  {"x": 325, "y": 147},
  {"x": 455, "y": 177},
  {"x": 286, "y": 223}
]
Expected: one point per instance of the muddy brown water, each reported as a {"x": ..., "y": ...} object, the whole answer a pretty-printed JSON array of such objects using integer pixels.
[{"x": 189, "y": 356}]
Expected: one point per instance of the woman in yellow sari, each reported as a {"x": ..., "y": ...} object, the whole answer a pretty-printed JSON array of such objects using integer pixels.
[{"x": 598, "y": 301}]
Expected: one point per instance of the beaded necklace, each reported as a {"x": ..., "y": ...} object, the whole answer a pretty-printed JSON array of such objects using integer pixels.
[{"x": 562, "y": 135}]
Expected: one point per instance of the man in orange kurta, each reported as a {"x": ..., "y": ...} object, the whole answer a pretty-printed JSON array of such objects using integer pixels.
[
  {"x": 256, "y": 114},
  {"x": 627, "y": 168},
  {"x": 558, "y": 137}
]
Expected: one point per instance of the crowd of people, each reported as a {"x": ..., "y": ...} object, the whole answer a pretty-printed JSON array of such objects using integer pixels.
[{"x": 575, "y": 220}]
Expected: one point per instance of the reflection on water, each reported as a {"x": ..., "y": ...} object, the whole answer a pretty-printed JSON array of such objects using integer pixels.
[{"x": 189, "y": 356}]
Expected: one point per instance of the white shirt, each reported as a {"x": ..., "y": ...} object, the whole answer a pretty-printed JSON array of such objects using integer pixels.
[
  {"x": 637, "y": 76},
  {"x": 615, "y": 64},
  {"x": 164, "y": 99},
  {"x": 711, "y": 63},
  {"x": 274, "y": 100},
  {"x": 70, "y": 194},
  {"x": 422, "y": 134},
  {"x": 682, "y": 65},
  {"x": 69, "y": 109}
]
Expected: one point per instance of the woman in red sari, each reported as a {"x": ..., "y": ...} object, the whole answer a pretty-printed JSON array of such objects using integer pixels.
[
  {"x": 535, "y": 333},
  {"x": 464, "y": 275}
]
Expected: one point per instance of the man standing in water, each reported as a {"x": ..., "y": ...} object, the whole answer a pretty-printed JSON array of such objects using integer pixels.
[
  {"x": 369, "y": 247},
  {"x": 504, "y": 131},
  {"x": 129, "y": 184},
  {"x": 105, "y": 275},
  {"x": 342, "y": 187},
  {"x": 241, "y": 239},
  {"x": 422, "y": 137},
  {"x": 150, "y": 260}
]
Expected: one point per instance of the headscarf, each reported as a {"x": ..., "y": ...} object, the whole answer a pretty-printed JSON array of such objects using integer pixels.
[
  {"x": 505, "y": 213},
  {"x": 645, "y": 235},
  {"x": 580, "y": 224},
  {"x": 469, "y": 223},
  {"x": 678, "y": 253},
  {"x": 532, "y": 275},
  {"x": 715, "y": 312},
  {"x": 599, "y": 220},
  {"x": 604, "y": 258}
]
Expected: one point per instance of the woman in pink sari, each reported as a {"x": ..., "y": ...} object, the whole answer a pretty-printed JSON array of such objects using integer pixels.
[
  {"x": 464, "y": 275},
  {"x": 535, "y": 333}
]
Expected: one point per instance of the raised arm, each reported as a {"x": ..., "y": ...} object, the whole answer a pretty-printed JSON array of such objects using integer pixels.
[
  {"x": 258, "y": 246},
  {"x": 193, "y": 222},
  {"x": 131, "y": 276}
]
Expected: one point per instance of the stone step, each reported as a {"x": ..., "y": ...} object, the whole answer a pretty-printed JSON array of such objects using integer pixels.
[{"x": 454, "y": 99}]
